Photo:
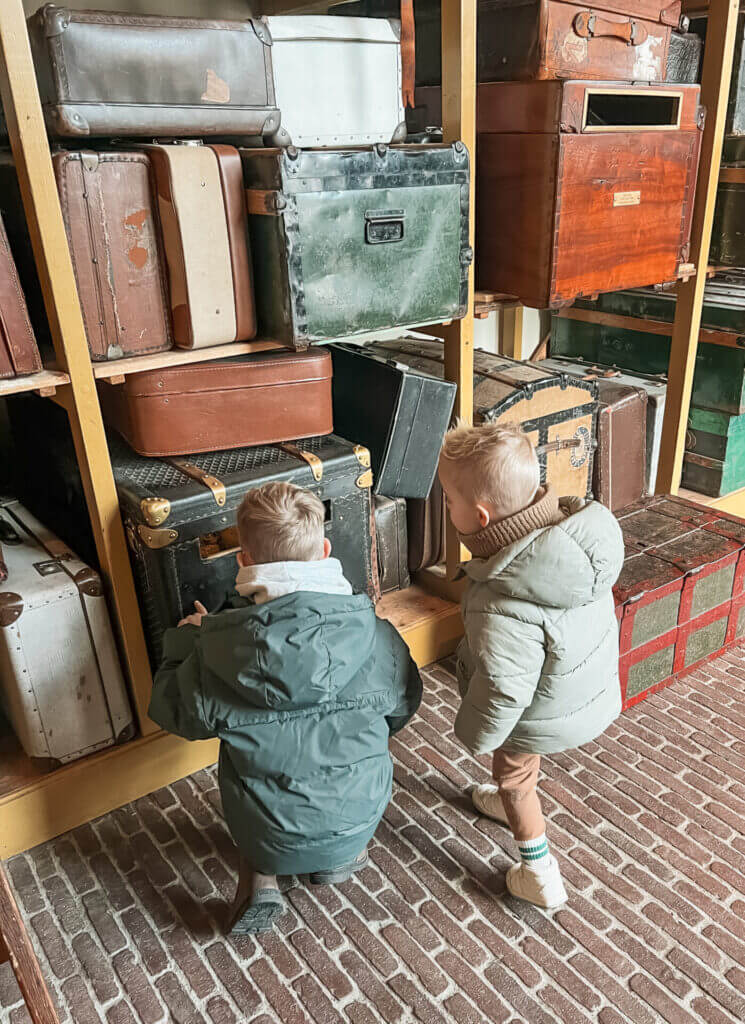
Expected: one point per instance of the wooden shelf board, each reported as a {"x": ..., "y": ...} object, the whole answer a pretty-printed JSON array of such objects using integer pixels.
[
  {"x": 45, "y": 380},
  {"x": 485, "y": 302},
  {"x": 734, "y": 502},
  {"x": 36, "y": 806},
  {"x": 119, "y": 368}
]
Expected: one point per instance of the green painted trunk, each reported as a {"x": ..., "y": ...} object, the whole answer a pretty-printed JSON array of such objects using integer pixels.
[
  {"x": 357, "y": 240},
  {"x": 714, "y": 461},
  {"x": 719, "y": 380}
]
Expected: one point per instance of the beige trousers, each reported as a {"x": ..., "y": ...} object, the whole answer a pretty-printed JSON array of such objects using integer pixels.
[{"x": 516, "y": 776}]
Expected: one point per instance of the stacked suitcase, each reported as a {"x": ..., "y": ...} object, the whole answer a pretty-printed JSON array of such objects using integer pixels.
[
  {"x": 249, "y": 182},
  {"x": 680, "y": 598}
]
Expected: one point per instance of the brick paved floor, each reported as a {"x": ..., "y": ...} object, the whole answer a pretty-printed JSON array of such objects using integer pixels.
[{"x": 648, "y": 824}]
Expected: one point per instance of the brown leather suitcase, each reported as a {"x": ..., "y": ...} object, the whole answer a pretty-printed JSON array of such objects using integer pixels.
[
  {"x": 263, "y": 398},
  {"x": 105, "y": 73},
  {"x": 19, "y": 353},
  {"x": 425, "y": 524},
  {"x": 620, "y": 466},
  {"x": 110, "y": 212},
  {"x": 583, "y": 187},
  {"x": 202, "y": 208}
]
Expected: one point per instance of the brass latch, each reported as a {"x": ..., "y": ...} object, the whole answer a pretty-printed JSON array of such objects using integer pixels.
[
  {"x": 219, "y": 492},
  {"x": 316, "y": 466}
]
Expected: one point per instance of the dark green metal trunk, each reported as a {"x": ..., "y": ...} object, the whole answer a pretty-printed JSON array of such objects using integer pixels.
[
  {"x": 357, "y": 240},
  {"x": 714, "y": 460}
]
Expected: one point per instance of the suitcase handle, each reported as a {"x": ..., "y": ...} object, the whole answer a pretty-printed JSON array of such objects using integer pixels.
[
  {"x": 383, "y": 226},
  {"x": 589, "y": 26}
]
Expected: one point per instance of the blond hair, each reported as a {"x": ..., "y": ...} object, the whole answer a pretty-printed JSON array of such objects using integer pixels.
[
  {"x": 495, "y": 463},
  {"x": 280, "y": 522}
]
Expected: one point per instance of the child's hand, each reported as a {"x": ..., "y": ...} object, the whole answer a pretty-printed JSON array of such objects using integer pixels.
[{"x": 195, "y": 619}]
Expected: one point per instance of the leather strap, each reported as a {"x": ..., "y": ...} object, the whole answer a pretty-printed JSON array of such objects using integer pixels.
[
  {"x": 217, "y": 487},
  {"x": 408, "y": 52}
]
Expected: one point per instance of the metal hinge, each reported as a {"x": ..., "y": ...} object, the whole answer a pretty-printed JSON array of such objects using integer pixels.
[
  {"x": 265, "y": 202},
  {"x": 363, "y": 455},
  {"x": 316, "y": 466},
  {"x": 156, "y": 538},
  {"x": 365, "y": 480},
  {"x": 155, "y": 511}
]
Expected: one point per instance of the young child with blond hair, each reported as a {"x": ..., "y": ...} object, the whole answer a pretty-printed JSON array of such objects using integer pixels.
[
  {"x": 303, "y": 685},
  {"x": 538, "y": 666}
]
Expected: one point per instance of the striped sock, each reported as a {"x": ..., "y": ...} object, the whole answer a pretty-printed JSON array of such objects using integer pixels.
[{"x": 534, "y": 852}]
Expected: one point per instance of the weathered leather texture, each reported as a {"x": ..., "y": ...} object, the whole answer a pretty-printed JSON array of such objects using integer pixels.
[
  {"x": 392, "y": 544},
  {"x": 110, "y": 213},
  {"x": 140, "y": 75},
  {"x": 350, "y": 241},
  {"x": 205, "y": 237},
  {"x": 425, "y": 521},
  {"x": 684, "y": 57},
  {"x": 19, "y": 353},
  {"x": 620, "y": 465},
  {"x": 398, "y": 412},
  {"x": 262, "y": 398}
]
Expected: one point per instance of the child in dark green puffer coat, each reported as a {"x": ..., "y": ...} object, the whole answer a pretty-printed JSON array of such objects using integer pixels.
[{"x": 303, "y": 685}]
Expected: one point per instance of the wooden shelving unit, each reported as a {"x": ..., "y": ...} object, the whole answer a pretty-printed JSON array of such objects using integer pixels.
[{"x": 36, "y": 807}]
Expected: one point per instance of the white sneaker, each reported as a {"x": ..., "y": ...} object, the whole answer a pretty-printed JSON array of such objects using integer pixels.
[
  {"x": 543, "y": 888},
  {"x": 486, "y": 800}
]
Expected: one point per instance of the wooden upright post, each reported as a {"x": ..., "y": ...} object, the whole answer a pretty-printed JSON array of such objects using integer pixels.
[
  {"x": 33, "y": 163},
  {"x": 717, "y": 72},
  {"x": 459, "y": 122}
]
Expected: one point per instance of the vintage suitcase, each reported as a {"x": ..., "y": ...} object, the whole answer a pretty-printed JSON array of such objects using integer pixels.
[
  {"x": 655, "y": 389},
  {"x": 337, "y": 80},
  {"x": 349, "y": 241},
  {"x": 684, "y": 57},
  {"x": 619, "y": 475},
  {"x": 728, "y": 232},
  {"x": 583, "y": 187},
  {"x": 110, "y": 212},
  {"x": 714, "y": 458},
  {"x": 425, "y": 525},
  {"x": 558, "y": 416},
  {"x": 123, "y": 74},
  {"x": 538, "y": 39},
  {"x": 734, "y": 142},
  {"x": 180, "y": 518},
  {"x": 61, "y": 686},
  {"x": 228, "y": 403},
  {"x": 397, "y": 411},
  {"x": 391, "y": 543},
  {"x": 680, "y": 593},
  {"x": 632, "y": 329},
  {"x": 19, "y": 353},
  {"x": 205, "y": 238}
]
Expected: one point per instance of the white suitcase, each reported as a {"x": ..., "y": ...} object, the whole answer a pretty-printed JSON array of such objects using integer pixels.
[
  {"x": 337, "y": 81},
  {"x": 656, "y": 388},
  {"x": 61, "y": 685}
]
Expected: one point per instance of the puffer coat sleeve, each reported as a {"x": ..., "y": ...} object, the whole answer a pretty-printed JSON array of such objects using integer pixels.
[
  {"x": 506, "y": 658},
  {"x": 177, "y": 704}
]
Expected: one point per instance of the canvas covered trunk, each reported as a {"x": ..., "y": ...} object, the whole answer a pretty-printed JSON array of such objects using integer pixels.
[
  {"x": 61, "y": 685},
  {"x": 632, "y": 330},
  {"x": 103, "y": 73},
  {"x": 180, "y": 517},
  {"x": 397, "y": 411},
  {"x": 349, "y": 241},
  {"x": 680, "y": 593},
  {"x": 583, "y": 187},
  {"x": 260, "y": 398}
]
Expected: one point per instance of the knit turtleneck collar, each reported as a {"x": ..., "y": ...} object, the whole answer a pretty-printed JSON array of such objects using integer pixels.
[{"x": 544, "y": 511}]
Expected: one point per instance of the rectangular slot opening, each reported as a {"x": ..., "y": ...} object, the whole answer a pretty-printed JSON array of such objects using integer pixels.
[{"x": 606, "y": 110}]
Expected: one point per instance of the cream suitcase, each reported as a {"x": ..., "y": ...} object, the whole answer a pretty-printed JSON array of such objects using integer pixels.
[
  {"x": 61, "y": 686},
  {"x": 337, "y": 80}
]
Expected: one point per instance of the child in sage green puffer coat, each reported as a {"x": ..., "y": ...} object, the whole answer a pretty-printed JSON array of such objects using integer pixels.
[{"x": 538, "y": 667}]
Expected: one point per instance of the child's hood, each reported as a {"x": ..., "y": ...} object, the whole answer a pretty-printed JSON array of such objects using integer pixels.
[
  {"x": 291, "y": 652},
  {"x": 567, "y": 565}
]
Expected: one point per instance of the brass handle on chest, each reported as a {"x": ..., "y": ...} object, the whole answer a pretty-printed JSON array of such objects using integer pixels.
[{"x": 589, "y": 26}]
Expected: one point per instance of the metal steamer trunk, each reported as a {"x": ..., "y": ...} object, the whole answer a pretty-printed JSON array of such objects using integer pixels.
[
  {"x": 349, "y": 241},
  {"x": 180, "y": 517},
  {"x": 61, "y": 685},
  {"x": 681, "y": 593}
]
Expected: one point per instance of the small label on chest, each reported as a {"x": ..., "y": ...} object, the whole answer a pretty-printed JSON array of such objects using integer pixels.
[{"x": 627, "y": 198}]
